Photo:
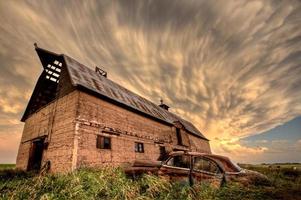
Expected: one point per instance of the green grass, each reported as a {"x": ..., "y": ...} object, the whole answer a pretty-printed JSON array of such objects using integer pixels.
[
  {"x": 7, "y": 166},
  {"x": 111, "y": 183}
]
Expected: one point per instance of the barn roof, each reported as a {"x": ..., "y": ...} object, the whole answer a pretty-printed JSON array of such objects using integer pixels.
[{"x": 82, "y": 76}]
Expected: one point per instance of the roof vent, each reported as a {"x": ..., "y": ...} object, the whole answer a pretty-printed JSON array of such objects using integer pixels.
[
  {"x": 163, "y": 105},
  {"x": 100, "y": 72}
]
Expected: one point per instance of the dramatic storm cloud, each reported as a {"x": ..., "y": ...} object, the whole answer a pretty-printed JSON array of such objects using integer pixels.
[{"x": 231, "y": 67}]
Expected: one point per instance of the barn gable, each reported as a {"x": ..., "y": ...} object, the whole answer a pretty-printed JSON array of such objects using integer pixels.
[
  {"x": 62, "y": 74},
  {"x": 46, "y": 87}
]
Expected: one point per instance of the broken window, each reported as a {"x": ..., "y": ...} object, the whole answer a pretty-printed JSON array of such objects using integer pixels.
[
  {"x": 179, "y": 137},
  {"x": 52, "y": 69},
  {"x": 201, "y": 164},
  {"x": 139, "y": 147},
  {"x": 182, "y": 161},
  {"x": 103, "y": 142}
]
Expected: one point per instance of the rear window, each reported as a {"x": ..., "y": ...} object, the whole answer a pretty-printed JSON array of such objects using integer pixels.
[{"x": 228, "y": 165}]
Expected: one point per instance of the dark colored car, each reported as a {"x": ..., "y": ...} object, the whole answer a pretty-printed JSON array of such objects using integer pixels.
[{"x": 194, "y": 167}]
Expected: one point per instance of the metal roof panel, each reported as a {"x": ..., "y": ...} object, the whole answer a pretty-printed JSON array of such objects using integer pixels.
[{"x": 86, "y": 77}]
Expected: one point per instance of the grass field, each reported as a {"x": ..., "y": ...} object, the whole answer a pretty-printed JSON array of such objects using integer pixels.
[{"x": 113, "y": 184}]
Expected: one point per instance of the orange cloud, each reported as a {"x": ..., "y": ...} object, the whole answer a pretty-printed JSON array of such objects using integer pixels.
[
  {"x": 229, "y": 67},
  {"x": 235, "y": 150}
]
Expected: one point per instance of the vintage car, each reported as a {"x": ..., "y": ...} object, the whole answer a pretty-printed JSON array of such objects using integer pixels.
[{"x": 195, "y": 167}]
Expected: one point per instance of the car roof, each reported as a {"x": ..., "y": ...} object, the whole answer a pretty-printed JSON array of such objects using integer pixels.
[
  {"x": 194, "y": 153},
  {"x": 224, "y": 161}
]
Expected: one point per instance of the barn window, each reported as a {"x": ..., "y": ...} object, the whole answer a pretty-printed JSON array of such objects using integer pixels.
[
  {"x": 103, "y": 142},
  {"x": 139, "y": 147},
  {"x": 179, "y": 137}
]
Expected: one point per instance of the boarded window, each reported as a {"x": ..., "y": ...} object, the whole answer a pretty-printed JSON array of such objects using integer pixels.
[
  {"x": 179, "y": 137},
  {"x": 103, "y": 142},
  {"x": 139, "y": 147}
]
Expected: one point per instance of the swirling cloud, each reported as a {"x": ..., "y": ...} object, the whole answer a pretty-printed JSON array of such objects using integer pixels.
[{"x": 231, "y": 67}]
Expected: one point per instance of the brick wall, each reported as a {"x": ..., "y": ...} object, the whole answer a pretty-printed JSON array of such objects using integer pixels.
[
  {"x": 73, "y": 122},
  {"x": 95, "y": 116},
  {"x": 56, "y": 120}
]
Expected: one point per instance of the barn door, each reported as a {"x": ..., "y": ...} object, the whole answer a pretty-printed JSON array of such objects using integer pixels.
[{"x": 35, "y": 155}]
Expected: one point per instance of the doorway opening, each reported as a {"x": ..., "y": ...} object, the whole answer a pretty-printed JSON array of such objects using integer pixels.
[
  {"x": 163, "y": 153},
  {"x": 36, "y": 155}
]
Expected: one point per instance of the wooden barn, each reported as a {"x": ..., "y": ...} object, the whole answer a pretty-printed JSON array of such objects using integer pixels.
[{"x": 78, "y": 117}]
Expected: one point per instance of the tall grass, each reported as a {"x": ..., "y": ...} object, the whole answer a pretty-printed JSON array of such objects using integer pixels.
[{"x": 112, "y": 183}]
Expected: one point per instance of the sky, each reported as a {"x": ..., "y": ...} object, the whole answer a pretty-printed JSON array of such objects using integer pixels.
[{"x": 233, "y": 68}]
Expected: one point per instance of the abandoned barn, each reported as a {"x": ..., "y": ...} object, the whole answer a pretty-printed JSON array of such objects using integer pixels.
[{"x": 78, "y": 117}]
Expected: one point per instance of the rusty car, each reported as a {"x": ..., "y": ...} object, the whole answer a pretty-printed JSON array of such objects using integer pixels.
[{"x": 195, "y": 167}]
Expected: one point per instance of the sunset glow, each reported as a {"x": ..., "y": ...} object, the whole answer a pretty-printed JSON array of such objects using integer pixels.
[{"x": 233, "y": 68}]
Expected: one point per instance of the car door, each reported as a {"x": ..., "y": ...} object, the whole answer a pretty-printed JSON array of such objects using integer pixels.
[
  {"x": 206, "y": 171},
  {"x": 176, "y": 168}
]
